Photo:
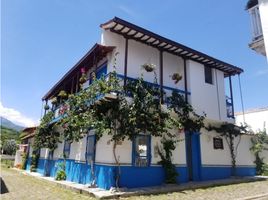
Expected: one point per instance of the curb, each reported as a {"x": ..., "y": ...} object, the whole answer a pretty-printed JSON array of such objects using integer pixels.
[{"x": 104, "y": 194}]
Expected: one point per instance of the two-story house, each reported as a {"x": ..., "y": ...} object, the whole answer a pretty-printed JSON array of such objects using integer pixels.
[{"x": 197, "y": 157}]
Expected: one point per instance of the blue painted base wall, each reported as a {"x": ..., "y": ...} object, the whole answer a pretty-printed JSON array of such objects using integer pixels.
[
  {"x": 131, "y": 177},
  {"x": 221, "y": 172}
]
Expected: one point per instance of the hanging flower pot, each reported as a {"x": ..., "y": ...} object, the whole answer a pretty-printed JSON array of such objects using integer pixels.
[
  {"x": 83, "y": 78},
  {"x": 149, "y": 67},
  {"x": 62, "y": 94},
  {"x": 53, "y": 100},
  {"x": 176, "y": 77},
  {"x": 46, "y": 107}
]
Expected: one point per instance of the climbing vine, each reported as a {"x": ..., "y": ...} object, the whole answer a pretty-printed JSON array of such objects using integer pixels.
[
  {"x": 259, "y": 144},
  {"x": 165, "y": 154},
  {"x": 230, "y": 131},
  {"x": 186, "y": 118},
  {"x": 46, "y": 134}
]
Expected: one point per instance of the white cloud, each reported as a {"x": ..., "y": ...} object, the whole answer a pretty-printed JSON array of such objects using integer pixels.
[
  {"x": 127, "y": 10},
  {"x": 262, "y": 72},
  {"x": 16, "y": 117}
]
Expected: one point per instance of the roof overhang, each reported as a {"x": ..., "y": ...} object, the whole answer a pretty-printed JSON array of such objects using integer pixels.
[
  {"x": 29, "y": 132},
  {"x": 251, "y": 3},
  {"x": 95, "y": 54},
  {"x": 132, "y": 31}
]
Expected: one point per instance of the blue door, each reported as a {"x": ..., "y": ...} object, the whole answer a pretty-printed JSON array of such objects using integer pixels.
[
  {"x": 48, "y": 163},
  {"x": 193, "y": 156}
]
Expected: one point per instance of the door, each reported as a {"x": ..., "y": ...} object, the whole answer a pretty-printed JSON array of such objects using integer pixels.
[{"x": 193, "y": 155}]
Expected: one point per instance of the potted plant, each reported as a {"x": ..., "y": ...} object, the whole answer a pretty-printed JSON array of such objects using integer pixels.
[
  {"x": 46, "y": 107},
  {"x": 54, "y": 100},
  {"x": 63, "y": 94},
  {"x": 176, "y": 77},
  {"x": 83, "y": 77},
  {"x": 149, "y": 67}
]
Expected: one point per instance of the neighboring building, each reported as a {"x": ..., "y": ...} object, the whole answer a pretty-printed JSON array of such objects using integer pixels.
[
  {"x": 257, "y": 119},
  {"x": 258, "y": 10},
  {"x": 197, "y": 156},
  {"x": 27, "y": 139}
]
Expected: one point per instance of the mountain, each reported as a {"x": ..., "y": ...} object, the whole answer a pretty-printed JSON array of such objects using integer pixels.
[
  {"x": 9, "y": 124},
  {"x": 8, "y": 134}
]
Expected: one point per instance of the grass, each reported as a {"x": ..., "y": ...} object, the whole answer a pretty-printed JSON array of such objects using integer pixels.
[
  {"x": 25, "y": 187},
  {"x": 22, "y": 187},
  {"x": 7, "y": 163}
]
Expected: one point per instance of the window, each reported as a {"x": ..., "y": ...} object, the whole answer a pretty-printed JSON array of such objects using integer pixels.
[
  {"x": 217, "y": 143},
  {"x": 66, "y": 149},
  {"x": 142, "y": 151},
  {"x": 101, "y": 71},
  {"x": 208, "y": 75},
  {"x": 90, "y": 149}
]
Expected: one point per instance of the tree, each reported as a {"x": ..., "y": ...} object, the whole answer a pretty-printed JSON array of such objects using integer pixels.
[
  {"x": 259, "y": 144},
  {"x": 9, "y": 147}
]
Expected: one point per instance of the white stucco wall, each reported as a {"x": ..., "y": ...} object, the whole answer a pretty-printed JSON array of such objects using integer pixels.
[
  {"x": 58, "y": 152},
  {"x": 211, "y": 156},
  {"x": 78, "y": 150},
  {"x": 111, "y": 39},
  {"x": 30, "y": 142},
  {"x": 256, "y": 119},
  {"x": 208, "y": 98},
  {"x": 172, "y": 64},
  {"x": 244, "y": 155},
  {"x": 104, "y": 151},
  {"x": 44, "y": 153}
]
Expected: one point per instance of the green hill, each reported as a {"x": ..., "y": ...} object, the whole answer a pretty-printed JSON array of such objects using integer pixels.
[
  {"x": 8, "y": 134},
  {"x": 9, "y": 124}
]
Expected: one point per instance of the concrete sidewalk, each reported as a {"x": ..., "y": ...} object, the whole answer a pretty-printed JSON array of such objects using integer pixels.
[{"x": 124, "y": 192}]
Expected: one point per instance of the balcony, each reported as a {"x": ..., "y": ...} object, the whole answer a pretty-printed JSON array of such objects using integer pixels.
[
  {"x": 257, "y": 43},
  {"x": 60, "y": 110}
]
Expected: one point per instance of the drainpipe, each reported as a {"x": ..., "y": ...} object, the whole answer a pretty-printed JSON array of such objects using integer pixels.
[
  {"x": 231, "y": 93},
  {"x": 161, "y": 74},
  {"x": 185, "y": 80},
  {"x": 125, "y": 63}
]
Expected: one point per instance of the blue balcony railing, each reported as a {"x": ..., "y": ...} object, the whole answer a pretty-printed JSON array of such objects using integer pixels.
[
  {"x": 229, "y": 107},
  {"x": 167, "y": 92}
]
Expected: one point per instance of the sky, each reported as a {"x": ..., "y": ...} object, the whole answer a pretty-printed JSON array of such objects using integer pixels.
[{"x": 42, "y": 39}]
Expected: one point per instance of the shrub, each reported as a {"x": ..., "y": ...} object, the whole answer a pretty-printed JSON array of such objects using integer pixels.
[
  {"x": 61, "y": 174},
  {"x": 10, "y": 147}
]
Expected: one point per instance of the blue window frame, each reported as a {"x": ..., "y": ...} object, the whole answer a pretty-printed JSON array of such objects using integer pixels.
[
  {"x": 66, "y": 149},
  {"x": 141, "y": 151},
  {"x": 90, "y": 149}
]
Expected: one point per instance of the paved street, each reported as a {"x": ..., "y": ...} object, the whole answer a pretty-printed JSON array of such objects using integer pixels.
[{"x": 20, "y": 186}]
